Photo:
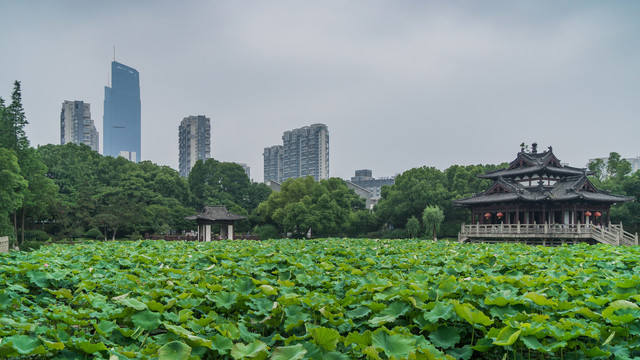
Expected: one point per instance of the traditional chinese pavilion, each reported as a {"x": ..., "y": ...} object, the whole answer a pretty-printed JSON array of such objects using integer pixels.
[
  {"x": 215, "y": 215},
  {"x": 540, "y": 201}
]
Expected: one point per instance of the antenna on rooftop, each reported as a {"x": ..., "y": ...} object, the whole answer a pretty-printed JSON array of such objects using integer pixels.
[{"x": 114, "y": 53}]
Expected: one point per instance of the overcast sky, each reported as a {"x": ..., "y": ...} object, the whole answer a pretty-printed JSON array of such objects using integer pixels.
[{"x": 400, "y": 84}]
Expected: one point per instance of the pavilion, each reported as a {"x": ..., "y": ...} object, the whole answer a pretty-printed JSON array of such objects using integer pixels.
[
  {"x": 538, "y": 200},
  {"x": 215, "y": 215}
]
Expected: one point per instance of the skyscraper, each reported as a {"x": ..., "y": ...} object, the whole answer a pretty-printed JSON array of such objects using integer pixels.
[
  {"x": 305, "y": 152},
  {"x": 76, "y": 125},
  {"x": 273, "y": 163},
  {"x": 194, "y": 142},
  {"x": 121, "y": 122}
]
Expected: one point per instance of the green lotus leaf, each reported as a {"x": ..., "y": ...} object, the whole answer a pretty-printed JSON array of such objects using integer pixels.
[
  {"x": 52, "y": 345},
  {"x": 147, "y": 320},
  {"x": 621, "y": 312},
  {"x": 13, "y": 324},
  {"x": 463, "y": 353},
  {"x": 24, "y": 344},
  {"x": 229, "y": 330},
  {"x": 372, "y": 353},
  {"x": 295, "y": 316},
  {"x": 440, "y": 311},
  {"x": 61, "y": 293},
  {"x": 471, "y": 314},
  {"x": 533, "y": 343},
  {"x": 268, "y": 290},
  {"x": 175, "y": 350},
  {"x": 507, "y": 336},
  {"x": 245, "y": 334},
  {"x": 483, "y": 345},
  {"x": 132, "y": 303},
  {"x": 294, "y": 352},
  {"x": 252, "y": 350},
  {"x": 539, "y": 299},
  {"x": 324, "y": 337},
  {"x": 244, "y": 286},
  {"x": 221, "y": 344},
  {"x": 360, "y": 340},
  {"x": 390, "y": 314},
  {"x": 105, "y": 327},
  {"x": 393, "y": 345},
  {"x": 262, "y": 305},
  {"x": 360, "y": 311},
  {"x": 155, "y": 306},
  {"x": 90, "y": 347},
  {"x": 184, "y": 315},
  {"x": 224, "y": 299},
  {"x": 445, "y": 337}
]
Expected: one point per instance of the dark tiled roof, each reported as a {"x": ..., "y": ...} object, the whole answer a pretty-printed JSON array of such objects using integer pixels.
[
  {"x": 216, "y": 213},
  {"x": 535, "y": 163},
  {"x": 564, "y": 190}
]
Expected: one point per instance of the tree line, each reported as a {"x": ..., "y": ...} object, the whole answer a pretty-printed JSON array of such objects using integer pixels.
[{"x": 69, "y": 191}]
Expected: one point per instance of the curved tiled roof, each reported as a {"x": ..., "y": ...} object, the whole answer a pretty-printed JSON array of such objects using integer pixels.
[
  {"x": 569, "y": 188},
  {"x": 216, "y": 213}
]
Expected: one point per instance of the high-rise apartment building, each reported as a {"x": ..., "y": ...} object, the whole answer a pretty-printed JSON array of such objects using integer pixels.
[
  {"x": 121, "y": 122},
  {"x": 305, "y": 152},
  {"x": 76, "y": 125},
  {"x": 273, "y": 163},
  {"x": 194, "y": 142}
]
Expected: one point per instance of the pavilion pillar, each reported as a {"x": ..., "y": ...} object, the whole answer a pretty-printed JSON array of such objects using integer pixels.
[
  {"x": 207, "y": 232},
  {"x": 230, "y": 231}
]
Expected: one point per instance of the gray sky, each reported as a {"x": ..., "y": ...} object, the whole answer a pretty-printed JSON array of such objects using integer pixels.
[{"x": 400, "y": 84}]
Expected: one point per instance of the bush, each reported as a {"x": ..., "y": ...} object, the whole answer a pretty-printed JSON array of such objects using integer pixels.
[
  {"x": 94, "y": 233},
  {"x": 34, "y": 235},
  {"x": 267, "y": 232}
]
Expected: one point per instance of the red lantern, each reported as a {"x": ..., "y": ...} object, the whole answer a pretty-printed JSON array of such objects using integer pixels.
[
  {"x": 499, "y": 215},
  {"x": 487, "y": 215},
  {"x": 588, "y": 213},
  {"x": 597, "y": 214}
]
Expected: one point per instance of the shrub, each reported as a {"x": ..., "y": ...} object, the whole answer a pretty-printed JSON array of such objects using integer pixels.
[
  {"x": 267, "y": 232},
  {"x": 34, "y": 235},
  {"x": 94, "y": 233}
]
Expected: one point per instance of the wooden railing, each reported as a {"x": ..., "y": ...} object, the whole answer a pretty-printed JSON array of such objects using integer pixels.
[{"x": 612, "y": 234}]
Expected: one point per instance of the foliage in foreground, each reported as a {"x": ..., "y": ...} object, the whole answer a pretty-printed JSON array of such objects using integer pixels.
[{"x": 325, "y": 299}]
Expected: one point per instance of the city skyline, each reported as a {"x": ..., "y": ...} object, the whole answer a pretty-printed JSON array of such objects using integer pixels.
[
  {"x": 194, "y": 142},
  {"x": 76, "y": 125},
  {"x": 122, "y": 127},
  {"x": 401, "y": 85}
]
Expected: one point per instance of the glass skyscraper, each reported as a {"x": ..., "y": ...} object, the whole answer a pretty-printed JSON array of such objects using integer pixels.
[{"x": 121, "y": 122}]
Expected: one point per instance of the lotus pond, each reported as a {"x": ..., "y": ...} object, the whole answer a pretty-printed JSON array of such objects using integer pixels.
[{"x": 320, "y": 299}]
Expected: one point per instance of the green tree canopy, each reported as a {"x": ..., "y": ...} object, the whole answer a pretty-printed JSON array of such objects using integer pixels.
[
  {"x": 303, "y": 204},
  {"x": 432, "y": 218},
  {"x": 12, "y": 190}
]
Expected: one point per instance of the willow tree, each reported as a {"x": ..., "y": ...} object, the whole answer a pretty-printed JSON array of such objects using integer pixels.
[{"x": 432, "y": 218}]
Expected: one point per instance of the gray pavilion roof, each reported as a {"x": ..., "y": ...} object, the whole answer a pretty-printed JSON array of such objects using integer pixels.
[
  {"x": 535, "y": 163},
  {"x": 567, "y": 189},
  {"x": 216, "y": 213}
]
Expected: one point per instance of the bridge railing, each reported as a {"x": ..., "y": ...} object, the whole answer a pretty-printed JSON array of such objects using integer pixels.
[{"x": 611, "y": 234}]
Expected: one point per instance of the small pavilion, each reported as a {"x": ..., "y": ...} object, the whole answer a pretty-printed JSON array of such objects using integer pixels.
[
  {"x": 215, "y": 215},
  {"x": 537, "y": 199}
]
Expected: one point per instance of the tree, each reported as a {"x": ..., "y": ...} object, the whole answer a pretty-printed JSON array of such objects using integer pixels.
[
  {"x": 617, "y": 167},
  {"x": 41, "y": 191},
  {"x": 304, "y": 205},
  {"x": 413, "y": 227},
  {"x": 598, "y": 168},
  {"x": 12, "y": 123},
  {"x": 432, "y": 218},
  {"x": 12, "y": 188}
]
